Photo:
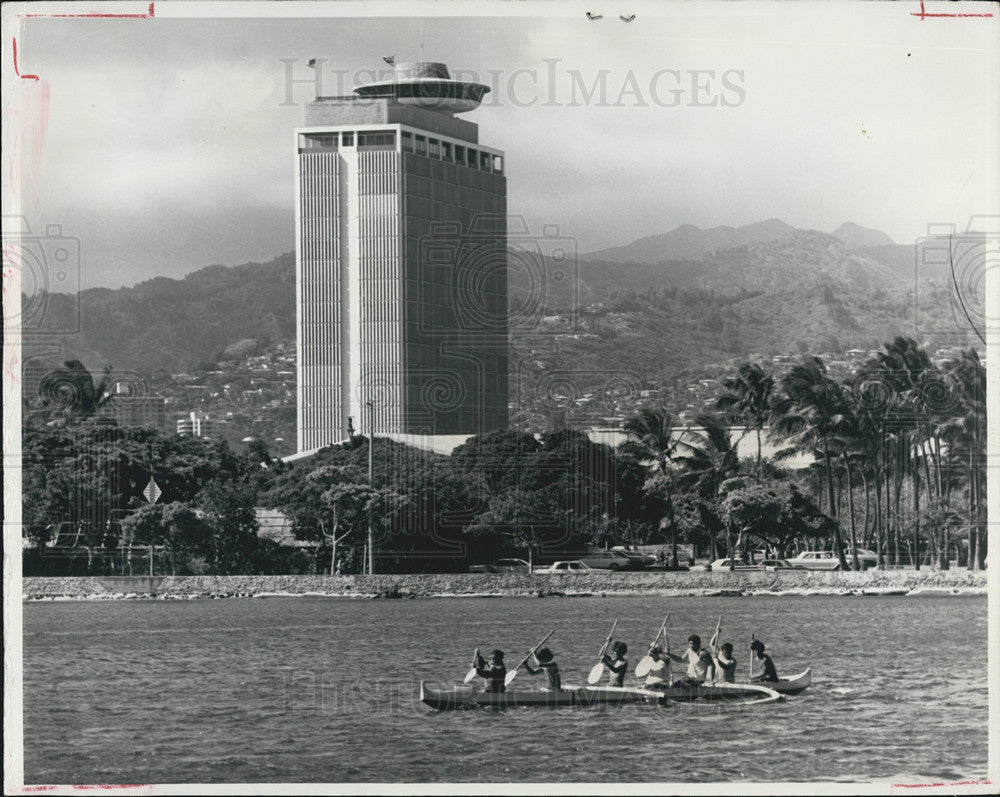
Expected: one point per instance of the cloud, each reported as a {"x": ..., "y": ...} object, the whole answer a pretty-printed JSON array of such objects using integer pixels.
[{"x": 185, "y": 125}]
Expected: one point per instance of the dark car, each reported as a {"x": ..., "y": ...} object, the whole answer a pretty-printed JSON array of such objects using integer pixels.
[{"x": 502, "y": 566}]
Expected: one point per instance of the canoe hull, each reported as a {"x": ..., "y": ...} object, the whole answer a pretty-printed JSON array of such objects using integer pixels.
[
  {"x": 744, "y": 693},
  {"x": 468, "y": 697}
]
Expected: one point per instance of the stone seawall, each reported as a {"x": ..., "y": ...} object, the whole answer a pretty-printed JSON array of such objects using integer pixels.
[{"x": 871, "y": 582}]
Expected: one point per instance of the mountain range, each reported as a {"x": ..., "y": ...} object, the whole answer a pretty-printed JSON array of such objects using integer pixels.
[
  {"x": 662, "y": 304},
  {"x": 689, "y": 242}
]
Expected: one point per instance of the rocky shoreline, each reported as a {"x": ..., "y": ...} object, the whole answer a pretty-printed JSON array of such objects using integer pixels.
[{"x": 694, "y": 583}]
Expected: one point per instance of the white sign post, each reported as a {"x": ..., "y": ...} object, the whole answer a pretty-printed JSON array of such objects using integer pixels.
[
  {"x": 152, "y": 491},
  {"x": 152, "y": 494}
]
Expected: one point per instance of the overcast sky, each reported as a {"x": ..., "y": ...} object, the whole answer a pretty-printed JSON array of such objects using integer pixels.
[{"x": 166, "y": 144}]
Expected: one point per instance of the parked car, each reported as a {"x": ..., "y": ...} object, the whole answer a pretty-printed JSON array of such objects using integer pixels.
[
  {"x": 738, "y": 564},
  {"x": 780, "y": 564},
  {"x": 866, "y": 558},
  {"x": 816, "y": 560},
  {"x": 612, "y": 560},
  {"x": 646, "y": 558},
  {"x": 570, "y": 566},
  {"x": 502, "y": 566}
]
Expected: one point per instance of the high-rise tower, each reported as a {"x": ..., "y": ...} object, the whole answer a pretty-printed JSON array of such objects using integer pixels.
[{"x": 400, "y": 263}]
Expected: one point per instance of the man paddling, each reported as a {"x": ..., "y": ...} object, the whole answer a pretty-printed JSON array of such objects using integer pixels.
[
  {"x": 547, "y": 664},
  {"x": 616, "y": 663},
  {"x": 700, "y": 666},
  {"x": 769, "y": 674},
  {"x": 658, "y": 676},
  {"x": 725, "y": 664},
  {"x": 495, "y": 672}
]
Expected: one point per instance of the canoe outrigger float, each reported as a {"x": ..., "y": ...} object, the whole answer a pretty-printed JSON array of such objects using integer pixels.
[
  {"x": 466, "y": 697},
  {"x": 794, "y": 684}
]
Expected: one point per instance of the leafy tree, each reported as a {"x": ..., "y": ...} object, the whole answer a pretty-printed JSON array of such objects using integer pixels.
[
  {"x": 499, "y": 458},
  {"x": 522, "y": 516},
  {"x": 229, "y": 513}
]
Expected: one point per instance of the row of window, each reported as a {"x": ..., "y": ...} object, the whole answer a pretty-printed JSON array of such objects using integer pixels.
[
  {"x": 457, "y": 153},
  {"x": 420, "y": 145},
  {"x": 367, "y": 140}
]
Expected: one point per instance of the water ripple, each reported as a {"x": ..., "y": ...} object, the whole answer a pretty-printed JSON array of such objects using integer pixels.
[{"x": 315, "y": 690}]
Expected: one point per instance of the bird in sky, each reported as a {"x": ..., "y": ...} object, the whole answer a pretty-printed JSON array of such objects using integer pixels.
[
  {"x": 311, "y": 62},
  {"x": 389, "y": 59}
]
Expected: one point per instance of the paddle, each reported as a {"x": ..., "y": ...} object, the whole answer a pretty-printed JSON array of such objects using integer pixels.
[
  {"x": 472, "y": 673},
  {"x": 646, "y": 662},
  {"x": 715, "y": 637},
  {"x": 753, "y": 638},
  {"x": 513, "y": 673},
  {"x": 598, "y": 669}
]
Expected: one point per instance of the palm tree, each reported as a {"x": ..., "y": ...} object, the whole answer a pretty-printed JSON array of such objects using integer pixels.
[
  {"x": 967, "y": 430},
  {"x": 746, "y": 397},
  {"x": 809, "y": 410},
  {"x": 650, "y": 438},
  {"x": 709, "y": 456},
  {"x": 709, "y": 460}
]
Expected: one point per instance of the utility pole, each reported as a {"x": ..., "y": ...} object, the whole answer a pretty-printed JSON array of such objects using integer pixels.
[{"x": 371, "y": 482}]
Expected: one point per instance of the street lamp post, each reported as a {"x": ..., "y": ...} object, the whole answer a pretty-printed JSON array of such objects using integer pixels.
[{"x": 371, "y": 483}]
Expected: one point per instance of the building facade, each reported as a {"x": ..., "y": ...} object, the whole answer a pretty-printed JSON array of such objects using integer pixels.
[
  {"x": 196, "y": 424},
  {"x": 131, "y": 411},
  {"x": 401, "y": 263}
]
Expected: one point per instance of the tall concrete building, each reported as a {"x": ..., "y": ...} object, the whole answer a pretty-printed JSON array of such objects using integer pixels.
[{"x": 401, "y": 263}]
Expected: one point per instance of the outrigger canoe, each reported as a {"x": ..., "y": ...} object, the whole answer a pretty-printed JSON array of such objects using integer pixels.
[
  {"x": 467, "y": 697},
  {"x": 792, "y": 685}
]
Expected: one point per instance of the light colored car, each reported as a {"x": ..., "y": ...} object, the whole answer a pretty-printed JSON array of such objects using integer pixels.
[
  {"x": 816, "y": 560},
  {"x": 737, "y": 564},
  {"x": 780, "y": 564},
  {"x": 570, "y": 566}
]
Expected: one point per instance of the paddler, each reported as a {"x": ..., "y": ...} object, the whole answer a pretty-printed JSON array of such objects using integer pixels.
[
  {"x": 725, "y": 664},
  {"x": 616, "y": 663},
  {"x": 700, "y": 665},
  {"x": 768, "y": 674},
  {"x": 658, "y": 676},
  {"x": 495, "y": 672},
  {"x": 547, "y": 664}
]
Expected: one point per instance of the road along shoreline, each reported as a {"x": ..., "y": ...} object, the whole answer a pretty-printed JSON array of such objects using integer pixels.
[{"x": 693, "y": 583}]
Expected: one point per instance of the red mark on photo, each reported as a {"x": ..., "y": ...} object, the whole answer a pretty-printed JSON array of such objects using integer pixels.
[
  {"x": 923, "y": 14},
  {"x": 148, "y": 15},
  {"x": 18, "y": 71}
]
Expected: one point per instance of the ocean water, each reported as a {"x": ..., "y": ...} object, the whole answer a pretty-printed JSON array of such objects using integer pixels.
[{"x": 321, "y": 690}]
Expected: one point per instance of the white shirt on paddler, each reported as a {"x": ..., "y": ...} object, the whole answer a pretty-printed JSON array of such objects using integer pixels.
[
  {"x": 698, "y": 663},
  {"x": 659, "y": 673}
]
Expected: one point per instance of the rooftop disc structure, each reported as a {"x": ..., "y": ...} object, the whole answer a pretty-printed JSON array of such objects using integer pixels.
[{"x": 426, "y": 84}]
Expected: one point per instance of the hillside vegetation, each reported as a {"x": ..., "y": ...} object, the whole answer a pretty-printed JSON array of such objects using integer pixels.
[{"x": 777, "y": 290}]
